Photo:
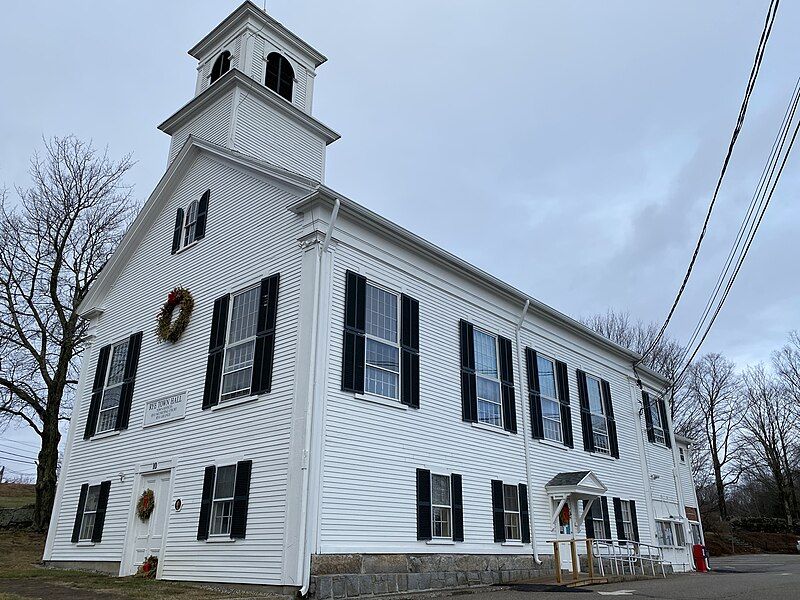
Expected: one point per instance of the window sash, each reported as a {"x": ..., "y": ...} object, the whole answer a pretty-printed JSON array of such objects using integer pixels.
[
  {"x": 222, "y": 506},
  {"x": 190, "y": 223},
  {"x": 655, "y": 419},
  {"x": 627, "y": 521},
  {"x": 490, "y": 409},
  {"x": 114, "y": 379},
  {"x": 241, "y": 370},
  {"x": 89, "y": 513},
  {"x": 548, "y": 393},
  {"x": 666, "y": 535},
  {"x": 511, "y": 512},
  {"x": 441, "y": 507},
  {"x": 382, "y": 378}
]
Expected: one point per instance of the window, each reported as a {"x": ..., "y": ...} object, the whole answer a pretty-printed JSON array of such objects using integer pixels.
[
  {"x": 680, "y": 537},
  {"x": 190, "y": 223},
  {"x": 598, "y": 521},
  {"x": 598, "y": 415},
  {"x": 682, "y": 454},
  {"x": 221, "y": 66},
  {"x": 89, "y": 513},
  {"x": 697, "y": 537},
  {"x": 664, "y": 533},
  {"x": 382, "y": 348},
  {"x": 490, "y": 410},
  {"x": 441, "y": 506},
  {"x": 511, "y": 512},
  {"x": 658, "y": 426},
  {"x": 112, "y": 391},
  {"x": 280, "y": 75},
  {"x": 240, "y": 346},
  {"x": 627, "y": 520},
  {"x": 222, "y": 505},
  {"x": 548, "y": 392}
]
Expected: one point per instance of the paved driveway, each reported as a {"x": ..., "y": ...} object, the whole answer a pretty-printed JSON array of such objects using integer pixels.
[{"x": 757, "y": 577}]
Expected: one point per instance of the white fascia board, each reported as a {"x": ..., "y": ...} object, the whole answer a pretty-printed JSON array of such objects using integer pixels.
[
  {"x": 235, "y": 78},
  {"x": 238, "y": 17},
  {"x": 421, "y": 246}
]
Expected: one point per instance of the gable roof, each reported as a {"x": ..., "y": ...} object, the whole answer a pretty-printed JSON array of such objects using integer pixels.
[
  {"x": 573, "y": 478},
  {"x": 576, "y": 482},
  {"x": 152, "y": 208}
]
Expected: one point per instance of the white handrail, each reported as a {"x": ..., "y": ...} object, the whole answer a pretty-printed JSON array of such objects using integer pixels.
[{"x": 627, "y": 552}]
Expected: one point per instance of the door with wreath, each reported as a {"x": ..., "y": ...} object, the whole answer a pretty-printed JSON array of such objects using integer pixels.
[{"x": 151, "y": 511}]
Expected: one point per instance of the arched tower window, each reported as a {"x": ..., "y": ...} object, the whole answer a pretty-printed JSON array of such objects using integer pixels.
[
  {"x": 280, "y": 75},
  {"x": 221, "y": 66}
]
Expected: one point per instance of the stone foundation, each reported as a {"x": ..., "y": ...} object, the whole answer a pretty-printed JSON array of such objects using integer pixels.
[{"x": 335, "y": 576}]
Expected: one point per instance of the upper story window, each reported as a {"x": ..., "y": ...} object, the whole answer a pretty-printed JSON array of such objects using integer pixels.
[
  {"x": 221, "y": 66},
  {"x": 240, "y": 344},
  {"x": 682, "y": 454},
  {"x": 551, "y": 406},
  {"x": 487, "y": 373},
  {"x": 190, "y": 223},
  {"x": 658, "y": 426},
  {"x": 382, "y": 347},
  {"x": 280, "y": 75},
  {"x": 112, "y": 389},
  {"x": 599, "y": 417}
]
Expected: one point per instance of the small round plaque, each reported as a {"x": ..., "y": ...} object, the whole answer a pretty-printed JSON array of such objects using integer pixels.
[{"x": 178, "y": 504}]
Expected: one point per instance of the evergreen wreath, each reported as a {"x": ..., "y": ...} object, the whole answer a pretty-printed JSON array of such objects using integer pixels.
[
  {"x": 148, "y": 567},
  {"x": 145, "y": 504},
  {"x": 170, "y": 330}
]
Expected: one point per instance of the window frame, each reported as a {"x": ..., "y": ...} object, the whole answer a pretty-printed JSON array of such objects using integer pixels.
[
  {"x": 107, "y": 388},
  {"x": 446, "y": 507},
  {"x": 478, "y": 397},
  {"x": 590, "y": 379},
  {"x": 598, "y": 520},
  {"x": 659, "y": 432},
  {"x": 627, "y": 523},
  {"x": 694, "y": 528},
  {"x": 189, "y": 225},
  {"x": 682, "y": 454},
  {"x": 221, "y": 58},
  {"x": 512, "y": 513},
  {"x": 663, "y": 525},
  {"x": 281, "y": 59},
  {"x": 396, "y": 344},
  {"x": 217, "y": 501},
  {"x": 557, "y": 399},
  {"x": 86, "y": 512},
  {"x": 229, "y": 345}
]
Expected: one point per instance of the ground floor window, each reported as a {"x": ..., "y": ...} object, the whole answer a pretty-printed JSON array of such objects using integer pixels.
[
  {"x": 697, "y": 537},
  {"x": 598, "y": 521},
  {"x": 670, "y": 533},
  {"x": 441, "y": 506},
  {"x": 89, "y": 513},
  {"x": 627, "y": 520},
  {"x": 222, "y": 505},
  {"x": 511, "y": 512}
]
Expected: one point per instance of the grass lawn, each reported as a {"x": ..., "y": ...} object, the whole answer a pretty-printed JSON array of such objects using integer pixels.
[
  {"x": 14, "y": 495},
  {"x": 21, "y": 576}
]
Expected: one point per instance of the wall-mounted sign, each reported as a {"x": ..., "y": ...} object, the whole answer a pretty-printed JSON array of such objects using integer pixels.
[
  {"x": 168, "y": 408},
  {"x": 691, "y": 514}
]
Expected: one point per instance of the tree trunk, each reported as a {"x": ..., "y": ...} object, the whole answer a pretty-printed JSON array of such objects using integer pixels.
[
  {"x": 720, "y": 486},
  {"x": 47, "y": 472}
]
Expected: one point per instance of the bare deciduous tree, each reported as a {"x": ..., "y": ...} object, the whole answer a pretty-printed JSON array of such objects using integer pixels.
[{"x": 53, "y": 244}]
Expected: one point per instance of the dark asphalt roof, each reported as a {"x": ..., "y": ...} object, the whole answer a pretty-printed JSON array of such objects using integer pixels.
[{"x": 573, "y": 478}]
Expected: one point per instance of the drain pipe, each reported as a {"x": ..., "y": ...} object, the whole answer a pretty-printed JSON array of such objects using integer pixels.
[
  {"x": 312, "y": 410},
  {"x": 520, "y": 364}
]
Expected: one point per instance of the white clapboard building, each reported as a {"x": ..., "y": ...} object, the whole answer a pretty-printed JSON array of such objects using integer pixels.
[{"x": 351, "y": 409}]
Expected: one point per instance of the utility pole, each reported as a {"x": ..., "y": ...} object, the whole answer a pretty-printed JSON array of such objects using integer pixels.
[{"x": 2, "y": 470}]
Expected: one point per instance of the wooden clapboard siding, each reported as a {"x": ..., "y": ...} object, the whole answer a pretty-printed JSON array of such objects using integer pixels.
[{"x": 212, "y": 125}]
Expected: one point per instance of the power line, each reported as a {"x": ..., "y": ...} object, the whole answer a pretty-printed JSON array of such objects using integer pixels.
[
  {"x": 31, "y": 458},
  {"x": 765, "y": 33},
  {"x": 21, "y": 443}
]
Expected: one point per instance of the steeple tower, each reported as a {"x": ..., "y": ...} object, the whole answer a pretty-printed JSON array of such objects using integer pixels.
[{"x": 255, "y": 83}]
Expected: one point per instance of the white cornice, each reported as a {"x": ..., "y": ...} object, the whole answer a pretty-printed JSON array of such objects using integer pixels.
[
  {"x": 327, "y": 197},
  {"x": 233, "y": 79},
  {"x": 238, "y": 16}
]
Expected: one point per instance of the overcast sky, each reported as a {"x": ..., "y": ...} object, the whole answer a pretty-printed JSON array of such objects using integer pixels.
[{"x": 570, "y": 148}]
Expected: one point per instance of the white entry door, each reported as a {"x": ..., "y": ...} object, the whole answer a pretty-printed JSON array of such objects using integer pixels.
[{"x": 148, "y": 535}]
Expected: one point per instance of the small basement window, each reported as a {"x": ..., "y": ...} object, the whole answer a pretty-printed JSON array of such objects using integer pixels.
[
  {"x": 280, "y": 75},
  {"x": 221, "y": 66}
]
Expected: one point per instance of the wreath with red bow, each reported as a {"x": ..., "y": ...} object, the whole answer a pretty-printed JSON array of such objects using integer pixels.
[
  {"x": 169, "y": 329},
  {"x": 564, "y": 516},
  {"x": 146, "y": 504}
]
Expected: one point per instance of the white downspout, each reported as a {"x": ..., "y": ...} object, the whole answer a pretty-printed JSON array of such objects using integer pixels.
[
  {"x": 520, "y": 364},
  {"x": 308, "y": 533}
]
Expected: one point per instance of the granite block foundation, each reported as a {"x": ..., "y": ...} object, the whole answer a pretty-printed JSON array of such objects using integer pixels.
[{"x": 335, "y": 576}]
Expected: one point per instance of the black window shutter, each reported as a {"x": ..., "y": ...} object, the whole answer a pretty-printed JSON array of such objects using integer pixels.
[
  {"x": 612, "y": 424},
  {"x": 606, "y": 523},
  {"x": 76, "y": 528},
  {"x": 409, "y": 351},
  {"x": 498, "y": 514},
  {"x": 524, "y": 515},
  {"x": 177, "y": 233},
  {"x": 457, "y": 500},
  {"x": 423, "y": 504},
  {"x": 216, "y": 352},
  {"x": 264, "y": 355},
  {"x": 562, "y": 381},
  {"x": 469, "y": 384},
  {"x": 131, "y": 365},
  {"x": 586, "y": 415},
  {"x": 100, "y": 514},
  {"x": 618, "y": 519},
  {"x": 354, "y": 323},
  {"x": 97, "y": 391},
  {"x": 662, "y": 406},
  {"x": 634, "y": 519},
  {"x": 202, "y": 216},
  {"x": 205, "y": 502},
  {"x": 534, "y": 399},
  {"x": 241, "y": 497},
  {"x": 648, "y": 417},
  {"x": 509, "y": 404}
]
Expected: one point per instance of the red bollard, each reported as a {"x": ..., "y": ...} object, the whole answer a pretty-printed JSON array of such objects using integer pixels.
[{"x": 699, "y": 555}]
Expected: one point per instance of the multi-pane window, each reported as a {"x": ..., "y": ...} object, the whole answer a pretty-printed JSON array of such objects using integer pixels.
[
  {"x": 682, "y": 454},
  {"x": 222, "y": 503},
  {"x": 89, "y": 512},
  {"x": 190, "y": 223},
  {"x": 627, "y": 520},
  {"x": 441, "y": 506},
  {"x": 664, "y": 533},
  {"x": 112, "y": 391},
  {"x": 680, "y": 537},
  {"x": 487, "y": 371},
  {"x": 599, "y": 523},
  {"x": 382, "y": 363},
  {"x": 598, "y": 414},
  {"x": 548, "y": 392},
  {"x": 511, "y": 512},
  {"x": 240, "y": 344},
  {"x": 697, "y": 538},
  {"x": 655, "y": 416}
]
